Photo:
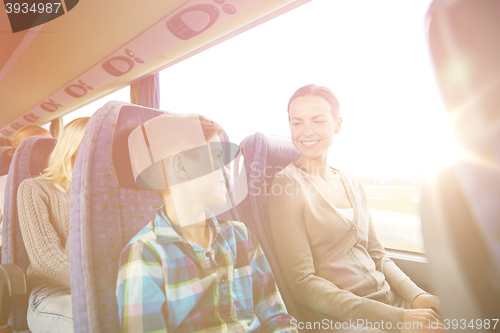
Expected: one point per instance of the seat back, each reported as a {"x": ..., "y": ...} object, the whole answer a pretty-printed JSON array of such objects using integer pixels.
[
  {"x": 29, "y": 160},
  {"x": 463, "y": 268},
  {"x": 107, "y": 210},
  {"x": 264, "y": 156},
  {"x": 459, "y": 208},
  {"x": 4, "y": 160}
]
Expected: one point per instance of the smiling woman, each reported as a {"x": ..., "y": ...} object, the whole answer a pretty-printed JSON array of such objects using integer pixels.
[{"x": 323, "y": 234}]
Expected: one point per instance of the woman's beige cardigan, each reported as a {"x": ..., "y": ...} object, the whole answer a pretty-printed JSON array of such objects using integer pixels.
[{"x": 335, "y": 268}]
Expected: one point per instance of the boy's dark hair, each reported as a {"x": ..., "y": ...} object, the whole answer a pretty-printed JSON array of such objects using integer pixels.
[{"x": 210, "y": 129}]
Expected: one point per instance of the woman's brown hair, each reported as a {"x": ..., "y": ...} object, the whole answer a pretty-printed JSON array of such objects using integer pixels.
[
  {"x": 25, "y": 132},
  {"x": 320, "y": 91}
]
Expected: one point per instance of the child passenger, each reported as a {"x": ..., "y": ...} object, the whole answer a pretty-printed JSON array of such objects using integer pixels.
[{"x": 185, "y": 271}]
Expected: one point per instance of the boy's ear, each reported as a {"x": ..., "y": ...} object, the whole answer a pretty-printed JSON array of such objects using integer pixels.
[{"x": 177, "y": 166}]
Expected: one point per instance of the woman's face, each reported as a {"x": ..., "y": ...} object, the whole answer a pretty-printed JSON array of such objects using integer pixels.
[{"x": 312, "y": 126}]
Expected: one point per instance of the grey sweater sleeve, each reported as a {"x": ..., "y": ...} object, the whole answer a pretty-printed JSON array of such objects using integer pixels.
[{"x": 45, "y": 251}]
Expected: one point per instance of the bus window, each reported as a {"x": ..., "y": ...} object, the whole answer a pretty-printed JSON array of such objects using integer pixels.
[
  {"x": 89, "y": 109},
  {"x": 374, "y": 57}
]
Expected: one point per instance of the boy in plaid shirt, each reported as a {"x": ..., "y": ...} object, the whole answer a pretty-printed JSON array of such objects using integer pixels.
[{"x": 185, "y": 272}]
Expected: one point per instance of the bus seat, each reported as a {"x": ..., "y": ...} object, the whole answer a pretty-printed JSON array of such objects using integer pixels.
[
  {"x": 107, "y": 210},
  {"x": 28, "y": 161},
  {"x": 459, "y": 206},
  {"x": 264, "y": 156},
  {"x": 4, "y": 161},
  {"x": 463, "y": 270}
]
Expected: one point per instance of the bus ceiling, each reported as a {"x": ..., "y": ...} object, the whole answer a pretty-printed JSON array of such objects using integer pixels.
[{"x": 94, "y": 48}]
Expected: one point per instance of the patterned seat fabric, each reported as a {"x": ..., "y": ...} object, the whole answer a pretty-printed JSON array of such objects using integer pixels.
[
  {"x": 107, "y": 210},
  {"x": 29, "y": 160},
  {"x": 264, "y": 156}
]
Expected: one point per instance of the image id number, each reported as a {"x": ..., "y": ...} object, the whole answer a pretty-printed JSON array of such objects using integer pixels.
[
  {"x": 472, "y": 324},
  {"x": 25, "y": 8}
]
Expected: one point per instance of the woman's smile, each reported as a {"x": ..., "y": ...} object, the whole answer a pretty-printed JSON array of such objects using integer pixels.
[{"x": 310, "y": 144}]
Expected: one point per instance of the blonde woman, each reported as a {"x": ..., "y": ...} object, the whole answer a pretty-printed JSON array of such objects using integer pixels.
[{"x": 43, "y": 205}]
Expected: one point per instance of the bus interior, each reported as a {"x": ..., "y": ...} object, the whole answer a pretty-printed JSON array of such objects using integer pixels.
[{"x": 96, "y": 49}]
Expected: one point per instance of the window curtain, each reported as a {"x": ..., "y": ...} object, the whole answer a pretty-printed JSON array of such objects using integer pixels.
[{"x": 146, "y": 92}]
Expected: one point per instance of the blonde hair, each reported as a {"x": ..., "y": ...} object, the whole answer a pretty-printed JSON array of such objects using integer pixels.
[
  {"x": 25, "y": 132},
  {"x": 62, "y": 158}
]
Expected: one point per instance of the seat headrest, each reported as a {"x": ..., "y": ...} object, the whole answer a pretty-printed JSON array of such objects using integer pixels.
[
  {"x": 129, "y": 118},
  {"x": 464, "y": 41},
  {"x": 5, "y": 160},
  {"x": 39, "y": 156},
  {"x": 280, "y": 153},
  {"x": 4, "y": 150},
  {"x": 272, "y": 154}
]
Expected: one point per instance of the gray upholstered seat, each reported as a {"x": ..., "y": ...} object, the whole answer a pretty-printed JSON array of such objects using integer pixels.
[
  {"x": 29, "y": 160},
  {"x": 459, "y": 207},
  {"x": 264, "y": 156},
  {"x": 4, "y": 161},
  {"x": 107, "y": 210}
]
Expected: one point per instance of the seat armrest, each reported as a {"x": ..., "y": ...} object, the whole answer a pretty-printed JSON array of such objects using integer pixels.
[
  {"x": 12, "y": 284},
  {"x": 14, "y": 278}
]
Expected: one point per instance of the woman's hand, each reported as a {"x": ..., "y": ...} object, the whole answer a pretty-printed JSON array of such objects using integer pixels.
[
  {"x": 421, "y": 321},
  {"x": 426, "y": 301}
]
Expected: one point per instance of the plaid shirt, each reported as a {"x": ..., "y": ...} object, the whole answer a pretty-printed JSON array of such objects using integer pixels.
[{"x": 167, "y": 284}]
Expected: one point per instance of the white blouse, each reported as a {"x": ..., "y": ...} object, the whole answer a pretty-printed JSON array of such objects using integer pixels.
[{"x": 348, "y": 213}]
